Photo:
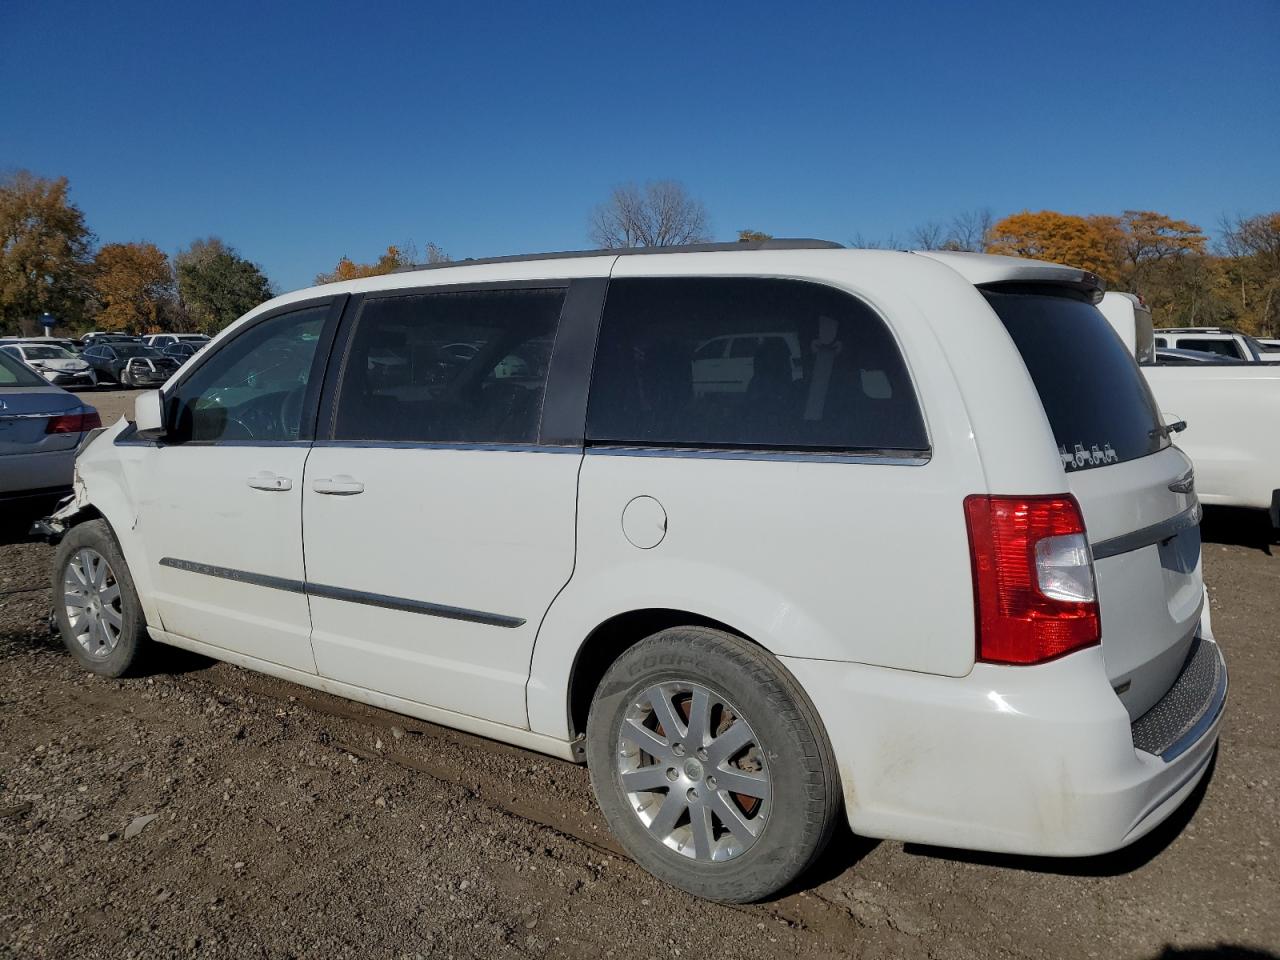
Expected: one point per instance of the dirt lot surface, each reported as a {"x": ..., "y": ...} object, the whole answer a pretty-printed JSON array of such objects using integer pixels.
[{"x": 289, "y": 823}]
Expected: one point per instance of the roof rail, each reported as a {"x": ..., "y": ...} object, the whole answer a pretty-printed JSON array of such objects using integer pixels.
[
  {"x": 1206, "y": 329},
  {"x": 773, "y": 243}
]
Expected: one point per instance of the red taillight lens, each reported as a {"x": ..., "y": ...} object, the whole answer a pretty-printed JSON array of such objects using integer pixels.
[
  {"x": 1032, "y": 578},
  {"x": 74, "y": 422}
]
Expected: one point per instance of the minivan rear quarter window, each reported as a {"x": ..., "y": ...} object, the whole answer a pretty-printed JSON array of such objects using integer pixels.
[
  {"x": 1097, "y": 402},
  {"x": 749, "y": 363}
]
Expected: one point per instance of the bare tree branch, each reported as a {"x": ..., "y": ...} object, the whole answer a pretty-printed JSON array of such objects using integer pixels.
[
  {"x": 659, "y": 214},
  {"x": 928, "y": 236}
]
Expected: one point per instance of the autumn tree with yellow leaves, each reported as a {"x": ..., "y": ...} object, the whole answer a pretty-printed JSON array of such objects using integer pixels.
[
  {"x": 396, "y": 258},
  {"x": 1090, "y": 243},
  {"x": 133, "y": 286}
]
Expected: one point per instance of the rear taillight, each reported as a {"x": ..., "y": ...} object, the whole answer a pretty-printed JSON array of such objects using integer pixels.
[
  {"x": 74, "y": 422},
  {"x": 1033, "y": 581}
]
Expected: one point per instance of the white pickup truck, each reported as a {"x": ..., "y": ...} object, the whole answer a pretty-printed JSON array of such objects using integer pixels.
[
  {"x": 1223, "y": 341},
  {"x": 1231, "y": 411}
]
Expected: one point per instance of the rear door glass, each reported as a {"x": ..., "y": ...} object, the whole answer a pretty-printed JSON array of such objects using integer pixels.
[
  {"x": 449, "y": 367},
  {"x": 1098, "y": 404}
]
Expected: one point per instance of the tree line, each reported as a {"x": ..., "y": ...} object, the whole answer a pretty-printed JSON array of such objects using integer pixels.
[
  {"x": 1186, "y": 279},
  {"x": 50, "y": 262}
]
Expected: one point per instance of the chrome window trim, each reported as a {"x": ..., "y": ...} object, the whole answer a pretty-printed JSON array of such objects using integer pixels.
[
  {"x": 912, "y": 458},
  {"x": 478, "y": 447},
  {"x": 404, "y": 604}
]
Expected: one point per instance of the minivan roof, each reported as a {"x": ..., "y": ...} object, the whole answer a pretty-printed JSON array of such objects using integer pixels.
[
  {"x": 773, "y": 243},
  {"x": 787, "y": 254}
]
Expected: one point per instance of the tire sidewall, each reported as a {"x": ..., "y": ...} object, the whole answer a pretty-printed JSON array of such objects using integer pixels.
[
  {"x": 96, "y": 535},
  {"x": 793, "y": 832}
]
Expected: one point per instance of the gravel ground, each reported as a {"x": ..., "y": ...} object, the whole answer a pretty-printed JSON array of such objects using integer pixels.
[{"x": 289, "y": 823}]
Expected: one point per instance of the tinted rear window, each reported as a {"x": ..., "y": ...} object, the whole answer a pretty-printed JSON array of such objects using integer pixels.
[
  {"x": 1225, "y": 348},
  {"x": 14, "y": 373},
  {"x": 1094, "y": 395},
  {"x": 749, "y": 363}
]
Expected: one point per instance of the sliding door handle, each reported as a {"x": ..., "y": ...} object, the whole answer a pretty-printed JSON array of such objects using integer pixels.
[
  {"x": 266, "y": 480},
  {"x": 339, "y": 485}
]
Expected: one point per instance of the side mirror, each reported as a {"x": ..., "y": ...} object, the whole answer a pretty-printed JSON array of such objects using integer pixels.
[{"x": 148, "y": 415}]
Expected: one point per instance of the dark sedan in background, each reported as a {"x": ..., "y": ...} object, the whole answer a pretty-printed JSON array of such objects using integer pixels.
[
  {"x": 41, "y": 427},
  {"x": 130, "y": 364}
]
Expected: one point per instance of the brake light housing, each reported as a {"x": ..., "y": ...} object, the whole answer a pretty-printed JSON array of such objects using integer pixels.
[
  {"x": 81, "y": 422},
  {"x": 1034, "y": 590}
]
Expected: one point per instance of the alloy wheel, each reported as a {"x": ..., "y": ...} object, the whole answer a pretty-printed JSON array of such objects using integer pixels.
[
  {"x": 91, "y": 597},
  {"x": 694, "y": 771}
]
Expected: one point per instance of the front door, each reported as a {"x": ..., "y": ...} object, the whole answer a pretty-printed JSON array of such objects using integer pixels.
[
  {"x": 438, "y": 527},
  {"x": 220, "y": 501}
]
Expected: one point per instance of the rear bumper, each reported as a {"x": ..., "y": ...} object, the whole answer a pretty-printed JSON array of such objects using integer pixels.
[
  {"x": 85, "y": 379},
  {"x": 1026, "y": 760},
  {"x": 35, "y": 496},
  {"x": 30, "y": 474}
]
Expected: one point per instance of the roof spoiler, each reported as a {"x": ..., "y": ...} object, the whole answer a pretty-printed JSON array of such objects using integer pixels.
[{"x": 1006, "y": 273}]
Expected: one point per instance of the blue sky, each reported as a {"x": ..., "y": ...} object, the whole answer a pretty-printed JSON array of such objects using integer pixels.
[{"x": 302, "y": 133}]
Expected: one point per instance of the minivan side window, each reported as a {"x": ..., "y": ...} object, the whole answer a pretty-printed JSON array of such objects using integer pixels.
[
  {"x": 252, "y": 387},
  {"x": 449, "y": 367},
  {"x": 823, "y": 373}
]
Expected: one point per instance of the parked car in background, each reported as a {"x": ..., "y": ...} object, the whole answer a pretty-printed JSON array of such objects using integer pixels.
[
  {"x": 71, "y": 346},
  {"x": 711, "y": 597},
  {"x": 1270, "y": 345},
  {"x": 92, "y": 339},
  {"x": 40, "y": 428},
  {"x": 1221, "y": 404},
  {"x": 1175, "y": 356},
  {"x": 1222, "y": 340},
  {"x": 1230, "y": 409},
  {"x": 1130, "y": 317},
  {"x": 729, "y": 364},
  {"x": 130, "y": 364},
  {"x": 162, "y": 340},
  {"x": 182, "y": 351},
  {"x": 55, "y": 363}
]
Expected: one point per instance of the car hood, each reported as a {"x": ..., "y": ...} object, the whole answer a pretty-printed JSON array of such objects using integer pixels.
[{"x": 69, "y": 364}]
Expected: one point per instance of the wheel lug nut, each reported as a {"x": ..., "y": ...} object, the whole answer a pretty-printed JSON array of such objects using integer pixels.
[
  {"x": 711, "y": 782},
  {"x": 702, "y": 753},
  {"x": 678, "y": 749},
  {"x": 673, "y": 774},
  {"x": 692, "y": 794}
]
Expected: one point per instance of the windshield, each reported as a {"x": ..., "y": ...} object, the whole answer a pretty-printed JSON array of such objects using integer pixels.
[
  {"x": 1093, "y": 393},
  {"x": 46, "y": 353},
  {"x": 133, "y": 350},
  {"x": 13, "y": 373}
]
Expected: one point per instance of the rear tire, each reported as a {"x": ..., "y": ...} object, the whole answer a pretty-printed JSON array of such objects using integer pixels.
[
  {"x": 744, "y": 796},
  {"x": 95, "y": 604}
]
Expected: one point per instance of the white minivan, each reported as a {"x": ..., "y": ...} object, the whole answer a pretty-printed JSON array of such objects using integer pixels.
[{"x": 932, "y": 566}]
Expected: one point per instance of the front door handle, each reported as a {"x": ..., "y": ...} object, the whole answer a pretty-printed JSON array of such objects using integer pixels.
[
  {"x": 266, "y": 480},
  {"x": 339, "y": 485}
]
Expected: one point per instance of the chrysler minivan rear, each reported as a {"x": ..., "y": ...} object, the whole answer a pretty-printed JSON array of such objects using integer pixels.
[{"x": 1092, "y": 708}]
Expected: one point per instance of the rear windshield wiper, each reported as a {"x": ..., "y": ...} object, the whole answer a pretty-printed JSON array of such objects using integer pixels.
[{"x": 1168, "y": 430}]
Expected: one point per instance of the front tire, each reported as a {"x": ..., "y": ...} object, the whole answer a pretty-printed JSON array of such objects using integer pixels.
[
  {"x": 126, "y": 379},
  {"x": 711, "y": 765},
  {"x": 95, "y": 604}
]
